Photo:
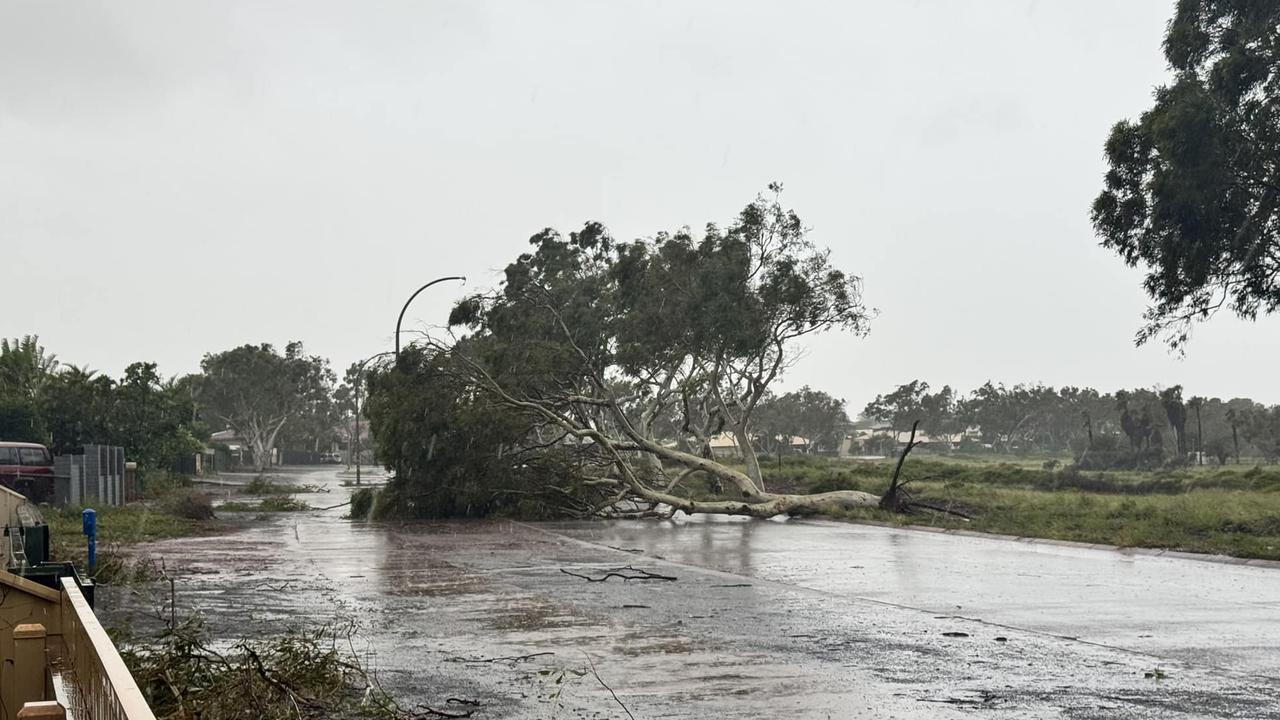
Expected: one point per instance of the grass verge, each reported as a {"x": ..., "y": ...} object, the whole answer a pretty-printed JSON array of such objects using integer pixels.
[
  {"x": 1229, "y": 511},
  {"x": 173, "y": 509}
]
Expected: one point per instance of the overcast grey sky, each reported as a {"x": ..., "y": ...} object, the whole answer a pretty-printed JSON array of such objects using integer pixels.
[{"x": 181, "y": 177}]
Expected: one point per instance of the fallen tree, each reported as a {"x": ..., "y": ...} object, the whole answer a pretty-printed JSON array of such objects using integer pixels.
[{"x": 610, "y": 366}]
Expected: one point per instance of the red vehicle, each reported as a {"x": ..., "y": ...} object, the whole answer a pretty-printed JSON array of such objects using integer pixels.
[{"x": 27, "y": 468}]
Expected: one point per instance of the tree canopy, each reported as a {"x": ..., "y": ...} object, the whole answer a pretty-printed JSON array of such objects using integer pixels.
[
  {"x": 814, "y": 416},
  {"x": 256, "y": 391},
  {"x": 67, "y": 407},
  {"x": 1193, "y": 190},
  {"x": 600, "y": 345}
]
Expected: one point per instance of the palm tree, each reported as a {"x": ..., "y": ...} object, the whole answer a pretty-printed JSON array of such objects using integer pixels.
[
  {"x": 24, "y": 366},
  {"x": 1233, "y": 418},
  {"x": 1197, "y": 404}
]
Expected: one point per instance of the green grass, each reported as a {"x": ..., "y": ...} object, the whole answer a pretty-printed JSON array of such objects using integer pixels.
[
  {"x": 1228, "y": 522},
  {"x": 172, "y": 509},
  {"x": 1233, "y": 510},
  {"x": 117, "y": 527}
]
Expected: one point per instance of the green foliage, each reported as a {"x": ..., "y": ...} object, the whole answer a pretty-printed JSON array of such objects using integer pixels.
[
  {"x": 272, "y": 503},
  {"x": 19, "y": 421},
  {"x": 117, "y": 527},
  {"x": 76, "y": 405},
  {"x": 1261, "y": 428},
  {"x": 1191, "y": 194},
  {"x": 189, "y": 503},
  {"x": 1129, "y": 429},
  {"x": 900, "y": 408},
  {"x": 454, "y": 451},
  {"x": 24, "y": 367},
  {"x": 257, "y": 392},
  {"x": 67, "y": 407},
  {"x": 810, "y": 414},
  {"x": 691, "y": 328},
  {"x": 159, "y": 484},
  {"x": 1212, "y": 521},
  {"x": 282, "y": 503},
  {"x": 307, "y": 672},
  {"x": 362, "y": 501},
  {"x": 151, "y": 419}
]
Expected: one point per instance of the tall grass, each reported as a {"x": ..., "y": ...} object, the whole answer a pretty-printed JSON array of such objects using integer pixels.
[{"x": 1229, "y": 510}]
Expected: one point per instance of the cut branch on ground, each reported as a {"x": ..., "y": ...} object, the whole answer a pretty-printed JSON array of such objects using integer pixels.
[{"x": 625, "y": 574}]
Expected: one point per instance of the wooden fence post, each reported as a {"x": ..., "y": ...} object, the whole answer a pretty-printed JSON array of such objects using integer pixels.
[
  {"x": 29, "y": 662},
  {"x": 43, "y": 710}
]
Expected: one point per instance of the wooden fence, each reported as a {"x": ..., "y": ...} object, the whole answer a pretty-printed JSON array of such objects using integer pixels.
[{"x": 101, "y": 687}]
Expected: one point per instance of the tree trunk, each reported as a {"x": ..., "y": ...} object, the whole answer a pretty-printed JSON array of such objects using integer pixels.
[
  {"x": 770, "y": 505},
  {"x": 749, "y": 457},
  {"x": 893, "y": 499},
  {"x": 1199, "y": 438},
  {"x": 261, "y": 442}
]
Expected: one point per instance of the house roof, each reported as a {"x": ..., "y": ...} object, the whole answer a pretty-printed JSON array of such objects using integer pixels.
[{"x": 727, "y": 440}]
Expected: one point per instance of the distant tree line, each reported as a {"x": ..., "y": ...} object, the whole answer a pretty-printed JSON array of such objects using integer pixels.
[
  {"x": 269, "y": 399},
  {"x": 1137, "y": 428}
]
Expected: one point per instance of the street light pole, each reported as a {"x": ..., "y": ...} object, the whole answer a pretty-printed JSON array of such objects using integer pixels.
[
  {"x": 411, "y": 297},
  {"x": 360, "y": 371},
  {"x": 359, "y": 387}
]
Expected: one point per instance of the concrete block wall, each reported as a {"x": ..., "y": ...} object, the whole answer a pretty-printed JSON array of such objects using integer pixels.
[{"x": 96, "y": 477}]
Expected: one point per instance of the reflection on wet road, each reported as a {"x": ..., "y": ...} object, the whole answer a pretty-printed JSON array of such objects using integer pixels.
[
  {"x": 765, "y": 619},
  {"x": 1202, "y": 612}
]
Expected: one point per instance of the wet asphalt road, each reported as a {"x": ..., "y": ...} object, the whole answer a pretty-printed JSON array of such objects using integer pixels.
[{"x": 765, "y": 619}]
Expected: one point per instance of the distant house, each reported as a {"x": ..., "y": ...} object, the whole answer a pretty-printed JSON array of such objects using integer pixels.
[
  {"x": 869, "y": 441},
  {"x": 232, "y": 451},
  {"x": 726, "y": 445}
]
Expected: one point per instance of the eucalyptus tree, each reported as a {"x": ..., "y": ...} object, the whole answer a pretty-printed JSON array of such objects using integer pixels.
[
  {"x": 596, "y": 340},
  {"x": 256, "y": 391},
  {"x": 899, "y": 408},
  {"x": 1193, "y": 190},
  {"x": 813, "y": 415},
  {"x": 1261, "y": 427}
]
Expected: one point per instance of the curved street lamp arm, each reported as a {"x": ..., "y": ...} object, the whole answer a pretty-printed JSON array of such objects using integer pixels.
[{"x": 410, "y": 300}]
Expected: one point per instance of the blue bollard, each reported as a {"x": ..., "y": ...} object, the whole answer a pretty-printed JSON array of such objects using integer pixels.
[{"x": 89, "y": 520}]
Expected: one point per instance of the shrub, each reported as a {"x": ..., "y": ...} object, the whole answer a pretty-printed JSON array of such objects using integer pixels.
[
  {"x": 362, "y": 503},
  {"x": 1121, "y": 459},
  {"x": 304, "y": 672},
  {"x": 190, "y": 504},
  {"x": 282, "y": 503},
  {"x": 157, "y": 484}
]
